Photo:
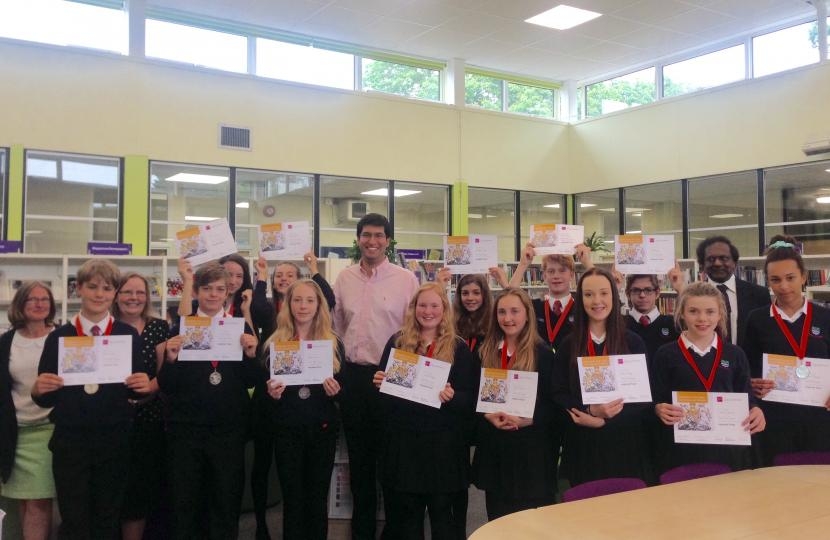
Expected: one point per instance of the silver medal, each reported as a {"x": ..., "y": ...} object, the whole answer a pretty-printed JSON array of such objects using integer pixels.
[
  {"x": 215, "y": 378},
  {"x": 802, "y": 371},
  {"x": 91, "y": 388},
  {"x": 304, "y": 392}
]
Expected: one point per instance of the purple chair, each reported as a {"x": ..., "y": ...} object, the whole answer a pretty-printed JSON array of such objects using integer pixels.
[
  {"x": 692, "y": 471},
  {"x": 606, "y": 486},
  {"x": 802, "y": 458}
]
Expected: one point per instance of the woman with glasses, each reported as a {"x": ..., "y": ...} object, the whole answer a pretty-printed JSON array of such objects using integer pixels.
[
  {"x": 144, "y": 481},
  {"x": 645, "y": 318},
  {"x": 25, "y": 430}
]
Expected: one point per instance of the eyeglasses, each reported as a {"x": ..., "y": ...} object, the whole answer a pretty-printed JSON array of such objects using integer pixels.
[
  {"x": 370, "y": 236},
  {"x": 41, "y": 300},
  {"x": 718, "y": 258},
  {"x": 636, "y": 291}
]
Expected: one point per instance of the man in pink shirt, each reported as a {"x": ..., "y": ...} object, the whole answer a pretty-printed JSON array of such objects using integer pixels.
[{"x": 372, "y": 297}]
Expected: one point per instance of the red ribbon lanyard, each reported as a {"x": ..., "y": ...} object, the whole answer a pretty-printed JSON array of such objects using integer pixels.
[
  {"x": 553, "y": 332},
  {"x": 800, "y": 349},
  {"x": 431, "y": 350},
  {"x": 215, "y": 363},
  {"x": 505, "y": 360},
  {"x": 80, "y": 329},
  {"x": 231, "y": 310},
  {"x": 707, "y": 383},
  {"x": 471, "y": 343},
  {"x": 592, "y": 351}
]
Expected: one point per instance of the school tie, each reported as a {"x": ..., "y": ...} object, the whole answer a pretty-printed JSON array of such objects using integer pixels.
[
  {"x": 723, "y": 290},
  {"x": 557, "y": 308},
  {"x": 644, "y": 320},
  {"x": 95, "y": 330}
]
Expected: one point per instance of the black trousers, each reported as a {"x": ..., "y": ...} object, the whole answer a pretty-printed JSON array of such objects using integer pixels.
[
  {"x": 206, "y": 469},
  {"x": 90, "y": 468},
  {"x": 305, "y": 459},
  {"x": 359, "y": 406},
  {"x": 405, "y": 515}
]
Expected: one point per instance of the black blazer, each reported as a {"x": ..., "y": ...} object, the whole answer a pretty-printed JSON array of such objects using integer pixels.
[
  {"x": 750, "y": 297},
  {"x": 8, "y": 416}
]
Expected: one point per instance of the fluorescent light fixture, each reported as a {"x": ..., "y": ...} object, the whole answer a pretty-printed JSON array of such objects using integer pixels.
[
  {"x": 479, "y": 216},
  {"x": 726, "y": 216},
  {"x": 586, "y": 205},
  {"x": 194, "y": 178},
  {"x": 563, "y": 17},
  {"x": 199, "y": 218},
  {"x": 823, "y": 200},
  {"x": 633, "y": 232},
  {"x": 826, "y": 170},
  {"x": 551, "y": 206},
  {"x": 383, "y": 192},
  {"x": 637, "y": 214},
  {"x": 607, "y": 209},
  {"x": 244, "y": 204}
]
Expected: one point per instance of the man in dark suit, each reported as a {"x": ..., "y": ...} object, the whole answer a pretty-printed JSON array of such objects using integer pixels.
[{"x": 718, "y": 257}]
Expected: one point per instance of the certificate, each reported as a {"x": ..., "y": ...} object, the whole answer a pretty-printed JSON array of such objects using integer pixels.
[
  {"x": 206, "y": 242},
  {"x": 553, "y": 239},
  {"x": 712, "y": 418},
  {"x": 473, "y": 254},
  {"x": 284, "y": 241},
  {"x": 644, "y": 253},
  {"x": 415, "y": 378},
  {"x": 606, "y": 378},
  {"x": 507, "y": 391},
  {"x": 301, "y": 362},
  {"x": 206, "y": 338},
  {"x": 95, "y": 359},
  {"x": 800, "y": 382}
]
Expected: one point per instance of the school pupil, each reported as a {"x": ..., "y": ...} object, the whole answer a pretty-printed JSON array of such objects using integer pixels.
[
  {"x": 305, "y": 417},
  {"x": 424, "y": 457},
  {"x": 147, "y": 462},
  {"x": 701, "y": 360},
  {"x": 644, "y": 317},
  {"x": 92, "y": 422},
  {"x": 25, "y": 460},
  {"x": 208, "y": 422},
  {"x": 516, "y": 459},
  {"x": 795, "y": 327},
  {"x": 472, "y": 308},
  {"x": 610, "y": 439}
]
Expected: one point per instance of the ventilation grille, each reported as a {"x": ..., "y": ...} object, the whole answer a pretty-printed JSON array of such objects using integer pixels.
[{"x": 234, "y": 137}]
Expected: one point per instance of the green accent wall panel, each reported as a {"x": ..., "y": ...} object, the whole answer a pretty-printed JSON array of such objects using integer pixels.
[
  {"x": 136, "y": 210},
  {"x": 460, "y": 208}
]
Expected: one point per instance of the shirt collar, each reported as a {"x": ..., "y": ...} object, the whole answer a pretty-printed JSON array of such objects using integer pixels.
[
  {"x": 730, "y": 283},
  {"x": 795, "y": 316},
  {"x": 598, "y": 339},
  {"x": 652, "y": 315},
  {"x": 689, "y": 345},
  {"x": 87, "y": 325},
  {"x": 220, "y": 315},
  {"x": 564, "y": 300}
]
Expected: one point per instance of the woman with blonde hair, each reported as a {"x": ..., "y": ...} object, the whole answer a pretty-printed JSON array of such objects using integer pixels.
[
  {"x": 306, "y": 421},
  {"x": 425, "y": 458},
  {"x": 516, "y": 459}
]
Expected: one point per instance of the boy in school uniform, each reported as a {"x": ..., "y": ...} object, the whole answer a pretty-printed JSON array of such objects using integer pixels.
[
  {"x": 90, "y": 445},
  {"x": 209, "y": 407}
]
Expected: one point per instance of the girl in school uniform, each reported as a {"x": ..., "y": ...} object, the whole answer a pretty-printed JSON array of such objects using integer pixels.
[
  {"x": 208, "y": 422},
  {"x": 25, "y": 460},
  {"x": 791, "y": 326},
  {"x": 305, "y": 417},
  {"x": 610, "y": 439},
  {"x": 516, "y": 459},
  {"x": 91, "y": 442},
  {"x": 471, "y": 308},
  {"x": 424, "y": 459},
  {"x": 147, "y": 463},
  {"x": 644, "y": 317},
  {"x": 701, "y": 361}
]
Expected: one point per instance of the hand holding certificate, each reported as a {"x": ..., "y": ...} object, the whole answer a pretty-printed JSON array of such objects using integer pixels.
[
  {"x": 804, "y": 381},
  {"x": 284, "y": 241},
  {"x": 206, "y": 242},
  {"x": 507, "y": 391},
  {"x": 473, "y": 254},
  {"x": 712, "y": 418},
  {"x": 554, "y": 239},
  {"x": 94, "y": 360},
  {"x": 301, "y": 362},
  {"x": 605, "y": 378},
  {"x": 205, "y": 338},
  {"x": 415, "y": 378},
  {"x": 644, "y": 254}
]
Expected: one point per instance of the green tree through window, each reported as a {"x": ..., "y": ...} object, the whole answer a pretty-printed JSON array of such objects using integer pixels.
[{"x": 401, "y": 79}]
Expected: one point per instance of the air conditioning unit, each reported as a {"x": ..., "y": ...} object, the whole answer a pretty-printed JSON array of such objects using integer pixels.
[
  {"x": 818, "y": 146},
  {"x": 351, "y": 210}
]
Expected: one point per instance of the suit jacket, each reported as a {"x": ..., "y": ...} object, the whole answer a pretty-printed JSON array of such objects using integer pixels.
[{"x": 750, "y": 297}]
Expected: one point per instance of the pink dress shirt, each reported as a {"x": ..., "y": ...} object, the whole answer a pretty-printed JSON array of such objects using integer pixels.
[{"x": 370, "y": 309}]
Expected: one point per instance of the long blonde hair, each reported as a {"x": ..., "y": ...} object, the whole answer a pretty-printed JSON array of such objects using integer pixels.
[
  {"x": 700, "y": 288},
  {"x": 410, "y": 336},
  {"x": 320, "y": 325},
  {"x": 524, "y": 357}
]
